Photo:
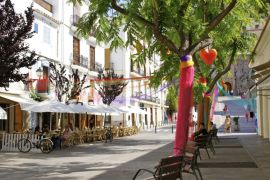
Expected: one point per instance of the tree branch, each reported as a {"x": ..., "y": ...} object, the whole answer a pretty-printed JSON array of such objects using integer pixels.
[
  {"x": 214, "y": 23},
  {"x": 198, "y": 68},
  {"x": 149, "y": 24},
  {"x": 123, "y": 11},
  {"x": 228, "y": 67},
  {"x": 198, "y": 46},
  {"x": 211, "y": 73},
  {"x": 220, "y": 16}
]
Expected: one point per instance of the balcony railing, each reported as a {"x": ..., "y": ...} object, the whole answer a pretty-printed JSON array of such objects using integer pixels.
[
  {"x": 145, "y": 97},
  {"x": 95, "y": 67},
  {"x": 138, "y": 70},
  {"x": 80, "y": 60}
]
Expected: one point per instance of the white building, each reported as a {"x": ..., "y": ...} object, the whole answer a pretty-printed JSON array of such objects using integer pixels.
[
  {"x": 138, "y": 92},
  {"x": 55, "y": 40}
]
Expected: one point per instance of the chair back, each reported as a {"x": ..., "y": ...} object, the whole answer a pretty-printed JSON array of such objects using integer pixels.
[{"x": 169, "y": 168}]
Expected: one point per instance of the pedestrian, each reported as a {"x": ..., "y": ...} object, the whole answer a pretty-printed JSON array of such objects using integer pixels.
[
  {"x": 228, "y": 124},
  {"x": 225, "y": 109},
  {"x": 247, "y": 109}
]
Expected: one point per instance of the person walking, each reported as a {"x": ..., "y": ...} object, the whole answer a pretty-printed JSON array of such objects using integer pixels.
[
  {"x": 225, "y": 109},
  {"x": 228, "y": 124}
]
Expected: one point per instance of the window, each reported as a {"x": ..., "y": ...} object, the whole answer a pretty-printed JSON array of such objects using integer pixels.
[
  {"x": 44, "y": 81},
  {"x": 91, "y": 94},
  {"x": 76, "y": 51},
  {"x": 76, "y": 14},
  {"x": 92, "y": 58},
  {"x": 107, "y": 58},
  {"x": 36, "y": 28},
  {"x": 46, "y": 35}
]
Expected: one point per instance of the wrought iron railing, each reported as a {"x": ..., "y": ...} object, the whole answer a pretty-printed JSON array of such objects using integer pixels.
[
  {"x": 145, "y": 97},
  {"x": 80, "y": 60}
]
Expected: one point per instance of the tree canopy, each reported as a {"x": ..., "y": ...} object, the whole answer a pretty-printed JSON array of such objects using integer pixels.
[
  {"x": 15, "y": 53},
  {"x": 179, "y": 27}
]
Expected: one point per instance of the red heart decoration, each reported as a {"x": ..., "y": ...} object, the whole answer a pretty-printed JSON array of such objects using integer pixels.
[
  {"x": 202, "y": 80},
  {"x": 208, "y": 56}
]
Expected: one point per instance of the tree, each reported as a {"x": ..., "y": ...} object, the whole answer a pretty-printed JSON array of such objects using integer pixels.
[
  {"x": 15, "y": 53},
  {"x": 182, "y": 27},
  {"x": 60, "y": 80},
  {"x": 171, "y": 99},
  {"x": 174, "y": 29},
  {"x": 69, "y": 85},
  {"x": 77, "y": 84},
  {"x": 109, "y": 85}
]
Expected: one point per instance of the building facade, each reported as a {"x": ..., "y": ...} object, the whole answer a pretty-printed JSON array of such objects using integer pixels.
[
  {"x": 261, "y": 75},
  {"x": 55, "y": 40}
]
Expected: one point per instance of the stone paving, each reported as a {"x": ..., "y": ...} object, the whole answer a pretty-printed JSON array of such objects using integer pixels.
[{"x": 239, "y": 156}]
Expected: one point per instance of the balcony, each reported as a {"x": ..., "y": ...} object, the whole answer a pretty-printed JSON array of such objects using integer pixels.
[
  {"x": 80, "y": 60},
  {"x": 139, "y": 95},
  {"x": 95, "y": 67},
  {"x": 139, "y": 71}
]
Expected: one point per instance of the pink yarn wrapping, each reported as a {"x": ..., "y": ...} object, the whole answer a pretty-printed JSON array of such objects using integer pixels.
[{"x": 184, "y": 109}]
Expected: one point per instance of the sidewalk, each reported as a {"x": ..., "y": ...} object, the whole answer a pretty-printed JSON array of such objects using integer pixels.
[{"x": 238, "y": 156}]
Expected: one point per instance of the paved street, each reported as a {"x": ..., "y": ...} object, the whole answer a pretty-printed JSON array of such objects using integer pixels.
[
  {"x": 120, "y": 158},
  {"x": 239, "y": 155}
]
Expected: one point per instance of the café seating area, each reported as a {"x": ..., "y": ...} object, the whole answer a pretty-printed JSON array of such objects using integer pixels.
[{"x": 93, "y": 135}]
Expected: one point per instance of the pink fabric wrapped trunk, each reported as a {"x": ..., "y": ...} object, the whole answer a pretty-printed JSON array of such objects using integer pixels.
[{"x": 184, "y": 104}]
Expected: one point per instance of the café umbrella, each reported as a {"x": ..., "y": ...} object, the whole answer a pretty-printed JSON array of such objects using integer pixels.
[{"x": 49, "y": 106}]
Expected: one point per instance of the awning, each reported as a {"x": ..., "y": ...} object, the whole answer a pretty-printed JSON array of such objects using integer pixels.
[{"x": 24, "y": 102}]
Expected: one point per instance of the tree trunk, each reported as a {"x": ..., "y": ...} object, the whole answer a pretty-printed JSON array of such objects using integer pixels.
[
  {"x": 200, "y": 114},
  {"x": 206, "y": 107},
  {"x": 203, "y": 114}
]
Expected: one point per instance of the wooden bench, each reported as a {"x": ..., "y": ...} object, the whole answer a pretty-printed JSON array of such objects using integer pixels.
[
  {"x": 190, "y": 164},
  {"x": 205, "y": 142},
  {"x": 169, "y": 168}
]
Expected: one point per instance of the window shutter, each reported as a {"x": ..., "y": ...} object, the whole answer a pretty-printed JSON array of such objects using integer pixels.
[{"x": 107, "y": 58}]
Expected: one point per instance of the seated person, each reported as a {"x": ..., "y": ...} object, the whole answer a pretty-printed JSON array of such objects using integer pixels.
[
  {"x": 66, "y": 133},
  {"x": 120, "y": 125},
  {"x": 213, "y": 126},
  {"x": 45, "y": 129},
  {"x": 37, "y": 130},
  {"x": 202, "y": 130}
]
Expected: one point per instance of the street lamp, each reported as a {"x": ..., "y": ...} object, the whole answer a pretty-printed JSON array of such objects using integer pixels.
[{"x": 39, "y": 72}]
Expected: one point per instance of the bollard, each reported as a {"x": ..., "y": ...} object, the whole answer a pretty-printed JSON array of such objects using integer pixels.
[
  {"x": 172, "y": 128},
  {"x": 155, "y": 129}
]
